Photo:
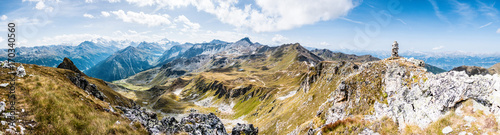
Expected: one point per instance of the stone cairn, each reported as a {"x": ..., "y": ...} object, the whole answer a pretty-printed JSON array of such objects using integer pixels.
[{"x": 395, "y": 48}]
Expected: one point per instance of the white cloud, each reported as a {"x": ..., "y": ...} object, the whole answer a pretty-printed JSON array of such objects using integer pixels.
[
  {"x": 437, "y": 12},
  {"x": 279, "y": 39},
  {"x": 132, "y": 31},
  {"x": 324, "y": 44},
  {"x": 270, "y": 15},
  {"x": 89, "y": 1},
  {"x": 188, "y": 25},
  {"x": 401, "y": 20},
  {"x": 488, "y": 10},
  {"x": 40, "y": 5},
  {"x": 1, "y": 39},
  {"x": 72, "y": 39},
  {"x": 105, "y": 14},
  {"x": 465, "y": 10},
  {"x": 349, "y": 20},
  {"x": 486, "y": 25},
  {"x": 164, "y": 3},
  {"x": 143, "y": 18},
  {"x": 3, "y": 18},
  {"x": 88, "y": 15},
  {"x": 498, "y": 31},
  {"x": 438, "y": 48},
  {"x": 113, "y": 1}
]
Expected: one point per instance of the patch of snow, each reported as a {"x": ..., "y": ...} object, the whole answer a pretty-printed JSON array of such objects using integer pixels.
[
  {"x": 290, "y": 94},
  {"x": 225, "y": 108},
  {"x": 178, "y": 91},
  {"x": 207, "y": 102}
]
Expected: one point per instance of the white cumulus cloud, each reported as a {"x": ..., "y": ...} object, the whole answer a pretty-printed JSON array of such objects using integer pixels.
[
  {"x": 105, "y": 14},
  {"x": 279, "y": 39},
  {"x": 88, "y": 15},
  {"x": 324, "y": 44},
  {"x": 3, "y": 18},
  {"x": 266, "y": 15},
  {"x": 40, "y": 5},
  {"x": 438, "y": 48},
  {"x": 143, "y": 18},
  {"x": 188, "y": 25}
]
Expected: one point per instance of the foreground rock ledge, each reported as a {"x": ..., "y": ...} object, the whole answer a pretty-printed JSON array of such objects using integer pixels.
[{"x": 194, "y": 123}]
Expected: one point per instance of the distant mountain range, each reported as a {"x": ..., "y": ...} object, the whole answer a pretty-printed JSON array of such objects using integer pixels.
[
  {"x": 444, "y": 60},
  {"x": 271, "y": 87},
  {"x": 114, "y": 60}
]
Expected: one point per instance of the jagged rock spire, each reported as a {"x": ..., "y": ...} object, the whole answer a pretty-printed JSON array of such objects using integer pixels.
[{"x": 68, "y": 64}]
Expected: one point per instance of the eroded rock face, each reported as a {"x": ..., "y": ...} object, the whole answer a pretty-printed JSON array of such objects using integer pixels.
[
  {"x": 81, "y": 82},
  {"x": 411, "y": 95},
  {"x": 432, "y": 96}
]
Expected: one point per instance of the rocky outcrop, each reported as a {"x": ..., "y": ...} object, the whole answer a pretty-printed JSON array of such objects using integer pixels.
[
  {"x": 407, "y": 94},
  {"x": 472, "y": 70},
  {"x": 68, "y": 64},
  {"x": 193, "y": 124},
  {"x": 244, "y": 129},
  {"x": 90, "y": 88},
  {"x": 427, "y": 97}
]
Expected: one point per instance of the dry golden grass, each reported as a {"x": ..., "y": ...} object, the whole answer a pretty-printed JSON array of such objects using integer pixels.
[{"x": 59, "y": 107}]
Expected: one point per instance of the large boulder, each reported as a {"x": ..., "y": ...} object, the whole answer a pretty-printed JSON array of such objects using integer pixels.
[
  {"x": 20, "y": 72},
  {"x": 472, "y": 70}
]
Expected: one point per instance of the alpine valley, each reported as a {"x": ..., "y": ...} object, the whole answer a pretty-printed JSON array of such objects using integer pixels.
[{"x": 244, "y": 87}]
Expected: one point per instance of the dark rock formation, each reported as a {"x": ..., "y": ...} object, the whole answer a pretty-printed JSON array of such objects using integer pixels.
[
  {"x": 68, "y": 64},
  {"x": 81, "y": 82},
  {"x": 244, "y": 129},
  {"x": 472, "y": 70},
  {"x": 194, "y": 123},
  {"x": 342, "y": 92}
]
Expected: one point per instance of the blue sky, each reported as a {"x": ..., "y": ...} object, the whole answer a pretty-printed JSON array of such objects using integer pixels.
[{"x": 418, "y": 25}]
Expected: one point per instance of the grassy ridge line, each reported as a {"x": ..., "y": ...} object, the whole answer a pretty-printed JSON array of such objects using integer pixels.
[{"x": 56, "y": 106}]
